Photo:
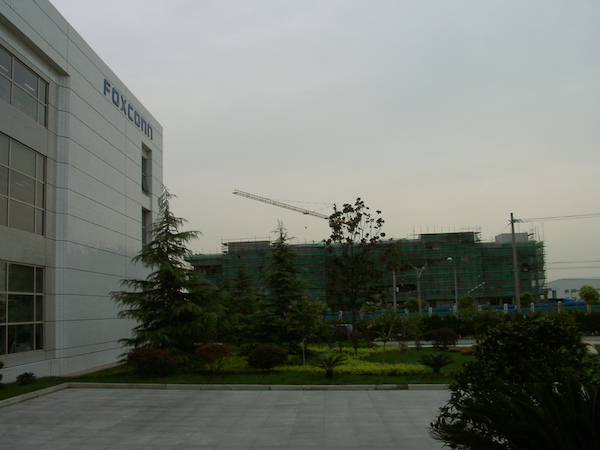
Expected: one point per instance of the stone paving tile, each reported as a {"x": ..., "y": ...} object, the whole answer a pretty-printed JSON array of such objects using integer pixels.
[{"x": 220, "y": 419}]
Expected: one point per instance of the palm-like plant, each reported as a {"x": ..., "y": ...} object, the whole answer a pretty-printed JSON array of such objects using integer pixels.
[
  {"x": 436, "y": 361},
  {"x": 329, "y": 362}
]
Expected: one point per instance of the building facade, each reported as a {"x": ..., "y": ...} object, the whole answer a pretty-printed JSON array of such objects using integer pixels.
[
  {"x": 80, "y": 172},
  {"x": 568, "y": 288},
  {"x": 437, "y": 267}
]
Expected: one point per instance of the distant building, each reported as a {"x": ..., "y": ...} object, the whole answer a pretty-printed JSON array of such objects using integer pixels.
[
  {"x": 568, "y": 288},
  {"x": 439, "y": 265},
  {"x": 80, "y": 171}
]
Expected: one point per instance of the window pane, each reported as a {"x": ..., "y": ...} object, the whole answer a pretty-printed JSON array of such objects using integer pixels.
[
  {"x": 22, "y": 188},
  {"x": 5, "y": 86},
  {"x": 5, "y": 63},
  {"x": 2, "y": 277},
  {"x": 2, "y": 308},
  {"x": 42, "y": 91},
  {"x": 39, "y": 336},
  {"x": 21, "y": 217},
  {"x": 20, "y": 278},
  {"x": 4, "y": 149},
  {"x": 20, "y": 338},
  {"x": 39, "y": 280},
  {"x": 26, "y": 79},
  {"x": 22, "y": 159},
  {"x": 20, "y": 308},
  {"x": 25, "y": 103},
  {"x": 39, "y": 195},
  {"x": 3, "y": 180},
  {"x": 39, "y": 308},
  {"x": 3, "y": 348}
]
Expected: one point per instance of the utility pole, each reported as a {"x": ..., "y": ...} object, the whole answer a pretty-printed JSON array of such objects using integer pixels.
[{"x": 515, "y": 262}]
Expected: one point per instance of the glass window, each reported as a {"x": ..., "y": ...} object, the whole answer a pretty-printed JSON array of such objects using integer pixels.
[
  {"x": 5, "y": 87},
  {"x": 5, "y": 63},
  {"x": 43, "y": 88},
  {"x": 20, "y": 338},
  {"x": 21, "y": 278},
  {"x": 3, "y": 347},
  {"x": 39, "y": 308},
  {"x": 39, "y": 336},
  {"x": 2, "y": 277},
  {"x": 22, "y": 87},
  {"x": 21, "y": 216},
  {"x": 39, "y": 280},
  {"x": 3, "y": 180},
  {"x": 23, "y": 182},
  {"x": 22, "y": 188},
  {"x": 25, "y": 103},
  {"x": 20, "y": 308},
  {"x": 25, "y": 78},
  {"x": 39, "y": 195},
  {"x": 4, "y": 145},
  {"x": 22, "y": 313},
  {"x": 22, "y": 159}
]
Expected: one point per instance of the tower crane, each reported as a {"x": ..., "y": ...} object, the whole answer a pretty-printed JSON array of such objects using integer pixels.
[{"x": 280, "y": 204}]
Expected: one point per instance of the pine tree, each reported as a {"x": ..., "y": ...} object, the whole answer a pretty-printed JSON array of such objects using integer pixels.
[
  {"x": 284, "y": 288},
  {"x": 174, "y": 308}
]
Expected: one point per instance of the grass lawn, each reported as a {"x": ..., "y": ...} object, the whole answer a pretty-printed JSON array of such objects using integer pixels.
[{"x": 123, "y": 374}]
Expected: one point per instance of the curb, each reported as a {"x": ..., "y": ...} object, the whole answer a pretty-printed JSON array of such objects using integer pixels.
[{"x": 223, "y": 387}]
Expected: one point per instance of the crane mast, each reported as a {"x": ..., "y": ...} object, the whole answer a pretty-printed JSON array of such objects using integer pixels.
[{"x": 280, "y": 204}]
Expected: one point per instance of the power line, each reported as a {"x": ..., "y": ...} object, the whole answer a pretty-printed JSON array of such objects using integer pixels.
[{"x": 576, "y": 216}]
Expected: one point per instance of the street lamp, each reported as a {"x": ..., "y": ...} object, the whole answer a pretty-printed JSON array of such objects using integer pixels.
[{"x": 455, "y": 283}]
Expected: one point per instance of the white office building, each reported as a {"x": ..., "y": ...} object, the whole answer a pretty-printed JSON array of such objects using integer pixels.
[{"x": 80, "y": 172}]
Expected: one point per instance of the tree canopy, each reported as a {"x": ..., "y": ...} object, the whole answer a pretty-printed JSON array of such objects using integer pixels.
[{"x": 174, "y": 308}]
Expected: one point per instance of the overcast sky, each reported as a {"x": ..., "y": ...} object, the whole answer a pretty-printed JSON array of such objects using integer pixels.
[{"x": 445, "y": 115}]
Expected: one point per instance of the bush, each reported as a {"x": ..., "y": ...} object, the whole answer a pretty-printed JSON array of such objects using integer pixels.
[
  {"x": 214, "y": 355},
  {"x": 330, "y": 362},
  {"x": 1, "y": 366},
  {"x": 442, "y": 338},
  {"x": 26, "y": 378},
  {"x": 529, "y": 416},
  {"x": 151, "y": 361},
  {"x": 541, "y": 351},
  {"x": 267, "y": 356},
  {"x": 436, "y": 361}
]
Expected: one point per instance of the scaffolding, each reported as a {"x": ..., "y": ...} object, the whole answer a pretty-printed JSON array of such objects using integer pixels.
[{"x": 441, "y": 266}]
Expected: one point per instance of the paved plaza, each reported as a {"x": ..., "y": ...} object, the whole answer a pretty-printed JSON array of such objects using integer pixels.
[{"x": 109, "y": 418}]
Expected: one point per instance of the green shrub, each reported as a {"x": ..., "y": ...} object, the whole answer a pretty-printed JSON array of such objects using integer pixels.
[
  {"x": 541, "y": 351},
  {"x": 214, "y": 355},
  {"x": 151, "y": 362},
  {"x": 329, "y": 362},
  {"x": 1, "y": 366},
  {"x": 267, "y": 356},
  {"x": 442, "y": 338},
  {"x": 436, "y": 361},
  {"x": 26, "y": 378},
  {"x": 530, "y": 416}
]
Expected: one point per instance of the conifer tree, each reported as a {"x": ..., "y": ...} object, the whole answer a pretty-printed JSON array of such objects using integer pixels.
[
  {"x": 174, "y": 308},
  {"x": 284, "y": 288}
]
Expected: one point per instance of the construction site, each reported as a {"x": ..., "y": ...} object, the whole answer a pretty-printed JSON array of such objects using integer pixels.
[{"x": 437, "y": 268}]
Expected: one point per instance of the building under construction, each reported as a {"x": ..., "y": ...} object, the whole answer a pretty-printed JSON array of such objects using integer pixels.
[{"x": 437, "y": 267}]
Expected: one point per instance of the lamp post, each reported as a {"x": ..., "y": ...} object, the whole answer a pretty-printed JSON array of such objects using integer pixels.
[{"x": 455, "y": 283}]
